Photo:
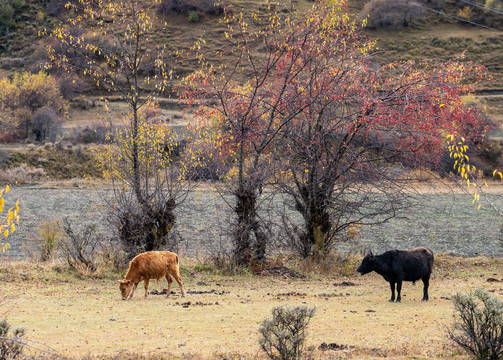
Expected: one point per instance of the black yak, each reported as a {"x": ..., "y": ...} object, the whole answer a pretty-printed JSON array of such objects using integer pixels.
[{"x": 396, "y": 266}]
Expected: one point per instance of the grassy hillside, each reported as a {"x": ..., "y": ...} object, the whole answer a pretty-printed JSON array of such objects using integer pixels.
[{"x": 434, "y": 36}]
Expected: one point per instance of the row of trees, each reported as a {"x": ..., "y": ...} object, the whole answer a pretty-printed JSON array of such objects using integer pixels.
[{"x": 301, "y": 109}]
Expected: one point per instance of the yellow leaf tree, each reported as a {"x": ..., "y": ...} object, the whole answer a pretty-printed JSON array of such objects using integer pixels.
[{"x": 110, "y": 43}]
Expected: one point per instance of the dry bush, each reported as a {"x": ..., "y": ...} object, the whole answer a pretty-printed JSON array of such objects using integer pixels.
[
  {"x": 46, "y": 124},
  {"x": 50, "y": 234},
  {"x": 284, "y": 335},
  {"x": 81, "y": 246},
  {"x": 111, "y": 259},
  {"x": 71, "y": 86},
  {"x": 391, "y": 13},
  {"x": 92, "y": 134},
  {"x": 343, "y": 264},
  {"x": 478, "y": 326},
  {"x": 23, "y": 174},
  {"x": 4, "y": 157},
  {"x": 11, "y": 345}
]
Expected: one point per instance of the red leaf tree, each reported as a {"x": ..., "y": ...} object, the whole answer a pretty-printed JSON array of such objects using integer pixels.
[{"x": 316, "y": 111}]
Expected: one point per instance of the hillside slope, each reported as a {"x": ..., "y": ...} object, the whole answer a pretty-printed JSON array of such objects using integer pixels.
[{"x": 437, "y": 35}]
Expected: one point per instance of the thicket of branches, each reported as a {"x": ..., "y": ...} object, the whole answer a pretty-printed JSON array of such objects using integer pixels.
[{"x": 316, "y": 121}]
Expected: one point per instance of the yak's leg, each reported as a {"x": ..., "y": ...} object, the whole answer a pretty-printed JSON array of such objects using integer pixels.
[
  {"x": 170, "y": 280},
  {"x": 392, "y": 286},
  {"x": 398, "y": 290},
  {"x": 146, "y": 287},
  {"x": 132, "y": 290},
  {"x": 426, "y": 282}
]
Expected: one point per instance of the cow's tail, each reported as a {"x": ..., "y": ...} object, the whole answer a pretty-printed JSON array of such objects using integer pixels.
[{"x": 177, "y": 261}]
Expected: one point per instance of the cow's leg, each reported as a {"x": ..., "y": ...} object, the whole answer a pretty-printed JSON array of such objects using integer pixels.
[
  {"x": 132, "y": 290},
  {"x": 392, "y": 285},
  {"x": 398, "y": 290},
  {"x": 179, "y": 281},
  {"x": 170, "y": 280},
  {"x": 426, "y": 282},
  {"x": 146, "y": 287}
]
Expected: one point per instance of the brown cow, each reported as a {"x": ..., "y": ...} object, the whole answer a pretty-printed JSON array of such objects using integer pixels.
[{"x": 150, "y": 265}]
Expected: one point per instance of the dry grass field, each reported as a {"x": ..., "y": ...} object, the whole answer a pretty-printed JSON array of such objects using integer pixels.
[{"x": 219, "y": 318}]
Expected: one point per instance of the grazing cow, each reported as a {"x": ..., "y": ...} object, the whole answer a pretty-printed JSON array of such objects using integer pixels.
[
  {"x": 396, "y": 266},
  {"x": 150, "y": 265}
]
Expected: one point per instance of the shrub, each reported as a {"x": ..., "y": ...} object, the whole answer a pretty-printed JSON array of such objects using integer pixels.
[
  {"x": 391, "y": 13},
  {"x": 201, "y": 161},
  {"x": 210, "y": 7},
  {"x": 6, "y": 16},
  {"x": 4, "y": 157},
  {"x": 10, "y": 346},
  {"x": 18, "y": 4},
  {"x": 465, "y": 13},
  {"x": 478, "y": 326},
  {"x": 97, "y": 134},
  {"x": 46, "y": 124},
  {"x": 50, "y": 235},
  {"x": 193, "y": 17},
  {"x": 23, "y": 174},
  {"x": 81, "y": 248},
  {"x": 70, "y": 86},
  {"x": 284, "y": 335},
  {"x": 26, "y": 94},
  {"x": 23, "y": 119},
  {"x": 56, "y": 7}
]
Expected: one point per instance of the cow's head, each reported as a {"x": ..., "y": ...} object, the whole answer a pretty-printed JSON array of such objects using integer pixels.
[
  {"x": 367, "y": 264},
  {"x": 125, "y": 286}
]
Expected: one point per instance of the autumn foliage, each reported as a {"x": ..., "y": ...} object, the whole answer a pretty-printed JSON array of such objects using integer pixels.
[
  {"x": 9, "y": 221},
  {"x": 25, "y": 96},
  {"x": 318, "y": 120}
]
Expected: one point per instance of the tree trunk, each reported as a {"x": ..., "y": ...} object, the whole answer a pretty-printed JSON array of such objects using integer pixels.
[{"x": 248, "y": 228}]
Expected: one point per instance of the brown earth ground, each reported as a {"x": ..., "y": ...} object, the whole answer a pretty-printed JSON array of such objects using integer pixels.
[{"x": 219, "y": 318}]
